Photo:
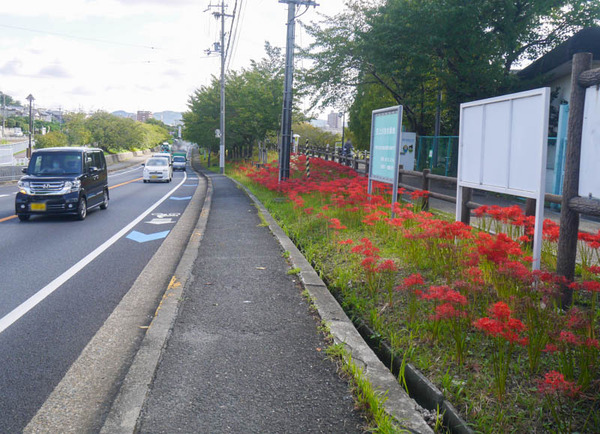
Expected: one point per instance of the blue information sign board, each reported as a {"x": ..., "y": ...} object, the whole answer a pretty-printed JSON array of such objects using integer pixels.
[{"x": 386, "y": 127}]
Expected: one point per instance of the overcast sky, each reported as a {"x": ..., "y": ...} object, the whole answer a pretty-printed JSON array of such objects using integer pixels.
[{"x": 129, "y": 54}]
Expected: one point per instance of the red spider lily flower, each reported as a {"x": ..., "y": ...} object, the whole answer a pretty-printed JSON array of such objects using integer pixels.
[
  {"x": 348, "y": 241},
  {"x": 592, "y": 343},
  {"x": 435, "y": 293},
  {"x": 369, "y": 263},
  {"x": 569, "y": 338},
  {"x": 412, "y": 280},
  {"x": 524, "y": 239},
  {"x": 554, "y": 383},
  {"x": 357, "y": 249},
  {"x": 594, "y": 269},
  {"x": 387, "y": 265},
  {"x": 455, "y": 297},
  {"x": 481, "y": 211},
  {"x": 515, "y": 325},
  {"x": 500, "y": 311},
  {"x": 550, "y": 231},
  {"x": 336, "y": 224},
  {"x": 418, "y": 194},
  {"x": 577, "y": 320},
  {"x": 490, "y": 326},
  {"x": 448, "y": 311},
  {"x": 309, "y": 210},
  {"x": 591, "y": 285},
  {"x": 550, "y": 348},
  {"x": 502, "y": 324}
]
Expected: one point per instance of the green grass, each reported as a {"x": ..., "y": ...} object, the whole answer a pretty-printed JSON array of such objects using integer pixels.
[{"x": 466, "y": 385}]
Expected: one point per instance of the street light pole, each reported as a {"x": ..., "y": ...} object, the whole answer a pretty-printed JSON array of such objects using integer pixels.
[{"x": 30, "y": 98}]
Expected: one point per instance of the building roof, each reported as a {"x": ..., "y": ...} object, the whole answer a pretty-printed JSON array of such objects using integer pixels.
[{"x": 584, "y": 41}]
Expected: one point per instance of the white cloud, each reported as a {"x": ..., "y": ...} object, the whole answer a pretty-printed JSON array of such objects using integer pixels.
[{"x": 94, "y": 53}]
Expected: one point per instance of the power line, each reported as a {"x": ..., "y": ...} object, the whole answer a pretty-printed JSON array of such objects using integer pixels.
[
  {"x": 83, "y": 38},
  {"x": 231, "y": 27},
  {"x": 238, "y": 26}
]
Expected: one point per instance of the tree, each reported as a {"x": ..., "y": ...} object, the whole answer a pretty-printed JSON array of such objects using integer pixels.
[
  {"x": 51, "y": 140},
  {"x": 254, "y": 99},
  {"x": 417, "y": 49},
  {"x": 75, "y": 129}
]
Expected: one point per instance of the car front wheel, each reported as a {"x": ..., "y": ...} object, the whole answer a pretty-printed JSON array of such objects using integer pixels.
[
  {"x": 82, "y": 209},
  {"x": 24, "y": 217}
]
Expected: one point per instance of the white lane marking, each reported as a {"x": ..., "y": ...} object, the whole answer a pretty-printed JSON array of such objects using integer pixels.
[
  {"x": 125, "y": 172},
  {"x": 4, "y": 195},
  {"x": 14, "y": 315}
]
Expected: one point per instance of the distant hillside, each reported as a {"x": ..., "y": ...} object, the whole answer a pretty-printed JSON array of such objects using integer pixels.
[
  {"x": 168, "y": 117},
  {"x": 123, "y": 114}
]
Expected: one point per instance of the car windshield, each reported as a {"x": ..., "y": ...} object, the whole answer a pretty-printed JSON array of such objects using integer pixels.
[
  {"x": 157, "y": 162},
  {"x": 55, "y": 164},
  {"x": 179, "y": 159}
]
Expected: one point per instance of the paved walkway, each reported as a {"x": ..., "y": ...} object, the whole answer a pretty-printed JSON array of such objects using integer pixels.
[{"x": 245, "y": 354}]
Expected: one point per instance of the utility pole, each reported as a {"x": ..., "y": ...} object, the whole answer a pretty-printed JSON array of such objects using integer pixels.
[
  {"x": 30, "y": 98},
  {"x": 286, "y": 119},
  {"x": 220, "y": 48},
  {"x": 3, "y": 113}
]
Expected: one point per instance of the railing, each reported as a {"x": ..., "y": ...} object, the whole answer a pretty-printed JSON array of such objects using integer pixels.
[{"x": 361, "y": 165}]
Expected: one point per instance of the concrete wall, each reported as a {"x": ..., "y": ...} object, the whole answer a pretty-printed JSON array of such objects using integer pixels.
[{"x": 13, "y": 173}]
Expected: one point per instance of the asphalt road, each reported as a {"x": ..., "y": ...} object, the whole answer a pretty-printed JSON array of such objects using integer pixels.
[{"x": 60, "y": 279}]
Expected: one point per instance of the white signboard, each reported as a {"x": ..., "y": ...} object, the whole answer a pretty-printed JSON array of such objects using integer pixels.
[
  {"x": 502, "y": 148},
  {"x": 589, "y": 181},
  {"x": 386, "y": 127},
  {"x": 408, "y": 143}
]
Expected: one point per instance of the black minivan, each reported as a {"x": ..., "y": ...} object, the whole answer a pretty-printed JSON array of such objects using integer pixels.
[{"x": 63, "y": 181}]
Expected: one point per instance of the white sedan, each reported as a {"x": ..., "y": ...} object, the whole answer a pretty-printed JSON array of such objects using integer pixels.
[{"x": 158, "y": 169}]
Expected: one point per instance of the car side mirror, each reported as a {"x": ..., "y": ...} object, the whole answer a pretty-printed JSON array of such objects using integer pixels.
[
  {"x": 143, "y": 164},
  {"x": 24, "y": 170},
  {"x": 93, "y": 169}
]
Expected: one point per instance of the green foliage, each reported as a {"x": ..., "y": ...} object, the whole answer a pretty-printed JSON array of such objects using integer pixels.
[
  {"x": 414, "y": 50},
  {"x": 253, "y": 105},
  {"x": 315, "y": 136},
  {"x": 75, "y": 129},
  {"x": 51, "y": 140},
  {"x": 112, "y": 133}
]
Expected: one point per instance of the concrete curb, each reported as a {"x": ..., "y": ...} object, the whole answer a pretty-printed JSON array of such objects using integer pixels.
[
  {"x": 82, "y": 399},
  {"x": 398, "y": 403},
  {"x": 128, "y": 405}
]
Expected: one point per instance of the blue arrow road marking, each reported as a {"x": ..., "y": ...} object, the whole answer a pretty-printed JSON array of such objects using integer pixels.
[
  {"x": 180, "y": 198},
  {"x": 140, "y": 237}
]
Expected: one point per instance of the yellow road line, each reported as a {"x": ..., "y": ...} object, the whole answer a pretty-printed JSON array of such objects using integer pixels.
[
  {"x": 124, "y": 183},
  {"x": 8, "y": 218}
]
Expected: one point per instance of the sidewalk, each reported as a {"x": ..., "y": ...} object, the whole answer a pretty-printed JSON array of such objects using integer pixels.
[{"x": 244, "y": 353}]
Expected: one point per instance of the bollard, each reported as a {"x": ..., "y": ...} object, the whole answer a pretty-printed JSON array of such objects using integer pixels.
[
  {"x": 426, "y": 173},
  {"x": 307, "y": 167}
]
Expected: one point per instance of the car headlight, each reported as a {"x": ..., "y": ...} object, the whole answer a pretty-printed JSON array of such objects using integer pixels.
[
  {"x": 24, "y": 187},
  {"x": 71, "y": 186}
]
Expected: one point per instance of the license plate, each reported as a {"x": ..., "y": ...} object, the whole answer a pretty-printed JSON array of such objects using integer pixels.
[
  {"x": 38, "y": 207},
  {"x": 154, "y": 176}
]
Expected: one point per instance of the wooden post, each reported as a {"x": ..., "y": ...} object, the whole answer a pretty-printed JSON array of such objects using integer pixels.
[
  {"x": 465, "y": 214},
  {"x": 530, "y": 206},
  {"x": 569, "y": 219},
  {"x": 426, "y": 173}
]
